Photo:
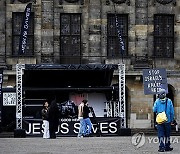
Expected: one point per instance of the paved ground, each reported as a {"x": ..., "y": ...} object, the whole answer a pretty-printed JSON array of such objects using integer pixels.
[{"x": 92, "y": 145}]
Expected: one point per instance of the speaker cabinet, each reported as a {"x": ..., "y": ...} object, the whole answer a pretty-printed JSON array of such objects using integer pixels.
[
  {"x": 125, "y": 132},
  {"x": 19, "y": 133}
]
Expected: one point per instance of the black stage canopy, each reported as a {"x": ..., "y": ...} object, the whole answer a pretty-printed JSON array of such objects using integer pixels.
[
  {"x": 71, "y": 67},
  {"x": 57, "y": 77}
]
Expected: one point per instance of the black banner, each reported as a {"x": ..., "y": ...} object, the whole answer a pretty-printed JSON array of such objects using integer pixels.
[
  {"x": 102, "y": 126},
  {"x": 1, "y": 98},
  {"x": 24, "y": 29},
  {"x": 121, "y": 43}
]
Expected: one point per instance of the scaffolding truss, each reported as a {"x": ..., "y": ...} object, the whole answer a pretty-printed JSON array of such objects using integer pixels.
[
  {"x": 19, "y": 73},
  {"x": 114, "y": 108},
  {"x": 109, "y": 109},
  {"x": 118, "y": 108},
  {"x": 122, "y": 103}
]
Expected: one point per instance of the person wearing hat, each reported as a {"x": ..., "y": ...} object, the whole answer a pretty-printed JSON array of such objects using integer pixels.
[{"x": 164, "y": 104}]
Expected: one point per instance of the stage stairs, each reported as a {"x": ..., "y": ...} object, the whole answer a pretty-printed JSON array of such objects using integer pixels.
[{"x": 7, "y": 135}]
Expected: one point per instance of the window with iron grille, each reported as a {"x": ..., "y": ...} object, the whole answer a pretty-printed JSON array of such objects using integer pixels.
[
  {"x": 113, "y": 43},
  {"x": 17, "y": 18},
  {"x": 164, "y": 36},
  {"x": 70, "y": 37}
]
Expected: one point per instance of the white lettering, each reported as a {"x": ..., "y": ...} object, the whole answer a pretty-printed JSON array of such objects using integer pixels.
[
  {"x": 23, "y": 44},
  {"x": 175, "y": 140},
  {"x": 64, "y": 126},
  {"x": 156, "y": 140},
  {"x": 26, "y": 25},
  {"x": 28, "y": 132},
  {"x": 58, "y": 129},
  {"x": 25, "y": 34},
  {"x": 113, "y": 126},
  {"x": 94, "y": 129},
  {"x": 76, "y": 128},
  {"x": 150, "y": 139},
  {"x": 36, "y": 126},
  {"x": 105, "y": 127}
]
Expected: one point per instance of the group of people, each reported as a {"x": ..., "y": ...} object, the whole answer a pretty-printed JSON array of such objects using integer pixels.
[
  {"x": 50, "y": 116},
  {"x": 85, "y": 122},
  {"x": 162, "y": 103}
]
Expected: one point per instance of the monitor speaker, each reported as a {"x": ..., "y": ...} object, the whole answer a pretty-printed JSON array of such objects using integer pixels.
[
  {"x": 125, "y": 132},
  {"x": 19, "y": 133}
]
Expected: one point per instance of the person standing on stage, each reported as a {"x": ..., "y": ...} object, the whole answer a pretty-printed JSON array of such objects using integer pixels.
[
  {"x": 80, "y": 118},
  {"x": 88, "y": 124},
  {"x": 44, "y": 113},
  {"x": 53, "y": 119}
]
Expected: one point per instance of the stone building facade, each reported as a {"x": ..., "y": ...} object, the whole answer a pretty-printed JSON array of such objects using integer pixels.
[{"x": 143, "y": 47}]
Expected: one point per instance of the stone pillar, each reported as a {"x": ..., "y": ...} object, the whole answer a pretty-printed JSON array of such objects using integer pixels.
[
  {"x": 47, "y": 32},
  {"x": 177, "y": 32},
  {"x": 85, "y": 32},
  {"x": 2, "y": 33},
  {"x": 141, "y": 27},
  {"x": 37, "y": 31},
  {"x": 95, "y": 31},
  {"x": 57, "y": 11}
]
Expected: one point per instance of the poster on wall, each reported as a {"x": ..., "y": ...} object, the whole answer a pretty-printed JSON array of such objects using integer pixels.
[
  {"x": 154, "y": 80},
  {"x": 77, "y": 98},
  {"x": 101, "y": 126}
]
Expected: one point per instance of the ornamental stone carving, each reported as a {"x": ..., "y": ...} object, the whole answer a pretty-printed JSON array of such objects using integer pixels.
[
  {"x": 118, "y": 1},
  {"x": 71, "y": 1},
  {"x": 164, "y": 1},
  {"x": 24, "y": 1}
]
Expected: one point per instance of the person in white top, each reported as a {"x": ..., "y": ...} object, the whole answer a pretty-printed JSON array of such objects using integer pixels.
[
  {"x": 82, "y": 123},
  {"x": 44, "y": 112}
]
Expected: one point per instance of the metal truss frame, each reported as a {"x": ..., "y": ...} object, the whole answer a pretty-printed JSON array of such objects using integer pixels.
[
  {"x": 19, "y": 73},
  {"x": 118, "y": 108},
  {"x": 122, "y": 102},
  {"x": 109, "y": 109},
  {"x": 114, "y": 108}
]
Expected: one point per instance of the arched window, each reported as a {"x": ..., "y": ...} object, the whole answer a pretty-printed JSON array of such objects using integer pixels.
[
  {"x": 70, "y": 37},
  {"x": 170, "y": 94},
  {"x": 114, "y": 49},
  {"x": 17, "y": 19}
]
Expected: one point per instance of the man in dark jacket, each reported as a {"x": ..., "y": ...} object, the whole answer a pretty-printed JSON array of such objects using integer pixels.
[{"x": 53, "y": 119}]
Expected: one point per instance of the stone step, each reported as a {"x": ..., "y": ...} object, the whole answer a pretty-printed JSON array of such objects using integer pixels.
[
  {"x": 152, "y": 132},
  {"x": 148, "y": 132},
  {"x": 6, "y": 134}
]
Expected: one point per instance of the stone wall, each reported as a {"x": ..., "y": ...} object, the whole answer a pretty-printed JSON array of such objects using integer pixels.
[
  {"x": 94, "y": 43},
  {"x": 2, "y": 32}
]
